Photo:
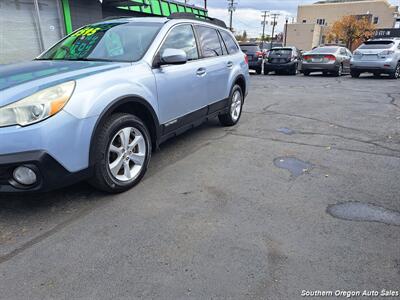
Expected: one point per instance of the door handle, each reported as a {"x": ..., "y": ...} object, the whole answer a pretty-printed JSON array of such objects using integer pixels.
[
  {"x": 229, "y": 64},
  {"x": 201, "y": 72}
]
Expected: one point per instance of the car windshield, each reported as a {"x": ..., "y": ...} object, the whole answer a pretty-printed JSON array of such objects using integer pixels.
[
  {"x": 377, "y": 45},
  {"x": 250, "y": 48},
  {"x": 105, "y": 42},
  {"x": 325, "y": 50},
  {"x": 281, "y": 52}
]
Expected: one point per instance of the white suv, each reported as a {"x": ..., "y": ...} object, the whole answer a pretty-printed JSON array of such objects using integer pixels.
[{"x": 377, "y": 56}]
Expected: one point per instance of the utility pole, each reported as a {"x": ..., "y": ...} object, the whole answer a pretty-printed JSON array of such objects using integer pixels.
[
  {"x": 274, "y": 23},
  {"x": 263, "y": 23},
  {"x": 205, "y": 4},
  {"x": 286, "y": 24},
  {"x": 231, "y": 9}
]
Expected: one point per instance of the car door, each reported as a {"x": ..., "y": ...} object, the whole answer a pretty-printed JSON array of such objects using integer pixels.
[
  {"x": 181, "y": 88},
  {"x": 217, "y": 64}
]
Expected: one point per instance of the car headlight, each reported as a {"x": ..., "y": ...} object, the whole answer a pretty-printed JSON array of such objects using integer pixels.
[{"x": 38, "y": 106}]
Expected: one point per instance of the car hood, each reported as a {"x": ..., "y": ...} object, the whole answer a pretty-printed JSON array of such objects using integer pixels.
[{"x": 21, "y": 80}]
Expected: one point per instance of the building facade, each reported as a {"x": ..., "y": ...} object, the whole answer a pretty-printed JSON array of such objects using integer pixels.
[
  {"x": 314, "y": 19},
  {"x": 28, "y": 27}
]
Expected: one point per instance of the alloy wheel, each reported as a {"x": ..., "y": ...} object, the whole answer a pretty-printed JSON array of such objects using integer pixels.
[
  {"x": 236, "y": 106},
  {"x": 127, "y": 154},
  {"x": 397, "y": 71}
]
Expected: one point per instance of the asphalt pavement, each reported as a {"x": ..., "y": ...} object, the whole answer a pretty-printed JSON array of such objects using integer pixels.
[{"x": 302, "y": 195}]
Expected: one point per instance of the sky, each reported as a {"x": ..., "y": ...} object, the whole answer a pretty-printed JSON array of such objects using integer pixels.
[{"x": 248, "y": 13}]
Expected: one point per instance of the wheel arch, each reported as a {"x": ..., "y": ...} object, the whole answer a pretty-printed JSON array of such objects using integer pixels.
[
  {"x": 129, "y": 104},
  {"x": 241, "y": 81}
]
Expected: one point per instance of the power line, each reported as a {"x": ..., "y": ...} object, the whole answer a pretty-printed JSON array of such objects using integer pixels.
[{"x": 274, "y": 17}]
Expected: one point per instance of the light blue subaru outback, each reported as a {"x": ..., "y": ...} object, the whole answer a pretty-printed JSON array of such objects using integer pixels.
[{"x": 95, "y": 105}]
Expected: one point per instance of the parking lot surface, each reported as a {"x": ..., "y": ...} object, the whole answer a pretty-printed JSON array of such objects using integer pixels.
[{"x": 246, "y": 212}]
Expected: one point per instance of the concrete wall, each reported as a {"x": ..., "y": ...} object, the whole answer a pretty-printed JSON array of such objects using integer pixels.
[
  {"x": 304, "y": 36},
  {"x": 332, "y": 12}
]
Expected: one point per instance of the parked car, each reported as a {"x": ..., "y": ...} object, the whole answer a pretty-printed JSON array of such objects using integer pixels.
[
  {"x": 254, "y": 55},
  {"x": 328, "y": 60},
  {"x": 96, "y": 104},
  {"x": 378, "y": 56},
  {"x": 284, "y": 59}
]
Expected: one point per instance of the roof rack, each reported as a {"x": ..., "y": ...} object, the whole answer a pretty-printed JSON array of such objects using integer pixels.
[{"x": 191, "y": 16}]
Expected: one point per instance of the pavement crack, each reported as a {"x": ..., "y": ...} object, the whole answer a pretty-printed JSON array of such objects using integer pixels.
[
  {"x": 316, "y": 119},
  {"x": 393, "y": 99},
  {"x": 46, "y": 234},
  {"x": 316, "y": 145}
]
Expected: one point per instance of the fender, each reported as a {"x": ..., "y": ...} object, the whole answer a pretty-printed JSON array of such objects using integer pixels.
[{"x": 112, "y": 106}]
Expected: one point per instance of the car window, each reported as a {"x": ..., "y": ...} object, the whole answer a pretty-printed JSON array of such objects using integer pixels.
[
  {"x": 250, "y": 48},
  {"x": 281, "y": 52},
  {"x": 377, "y": 45},
  {"x": 229, "y": 42},
  {"x": 117, "y": 41},
  {"x": 327, "y": 50},
  {"x": 209, "y": 41},
  {"x": 182, "y": 37},
  {"x": 224, "y": 49},
  {"x": 343, "y": 51}
]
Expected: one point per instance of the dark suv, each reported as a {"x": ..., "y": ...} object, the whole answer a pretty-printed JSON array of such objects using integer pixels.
[
  {"x": 283, "y": 59},
  {"x": 254, "y": 55}
]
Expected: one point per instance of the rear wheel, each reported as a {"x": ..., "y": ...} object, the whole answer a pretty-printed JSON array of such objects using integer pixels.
[
  {"x": 306, "y": 73},
  {"x": 122, "y": 150},
  {"x": 235, "y": 108},
  {"x": 377, "y": 74},
  {"x": 355, "y": 74},
  {"x": 396, "y": 73},
  {"x": 266, "y": 72},
  {"x": 258, "y": 71},
  {"x": 339, "y": 72},
  {"x": 293, "y": 70}
]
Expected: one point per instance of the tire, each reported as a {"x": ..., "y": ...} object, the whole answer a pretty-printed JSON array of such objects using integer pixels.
[
  {"x": 232, "y": 117},
  {"x": 130, "y": 160},
  {"x": 293, "y": 71},
  {"x": 377, "y": 74},
  {"x": 266, "y": 72},
  {"x": 258, "y": 71},
  {"x": 355, "y": 74},
  {"x": 396, "y": 73},
  {"x": 306, "y": 73},
  {"x": 325, "y": 73},
  {"x": 339, "y": 72}
]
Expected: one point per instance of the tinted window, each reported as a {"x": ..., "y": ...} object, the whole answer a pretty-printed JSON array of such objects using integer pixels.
[
  {"x": 325, "y": 50},
  {"x": 377, "y": 45},
  {"x": 283, "y": 52},
  {"x": 209, "y": 41},
  {"x": 229, "y": 42},
  {"x": 107, "y": 41},
  {"x": 182, "y": 37},
  {"x": 250, "y": 48}
]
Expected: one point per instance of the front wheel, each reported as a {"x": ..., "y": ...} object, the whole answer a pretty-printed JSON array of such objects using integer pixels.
[
  {"x": 122, "y": 150},
  {"x": 355, "y": 74},
  {"x": 235, "y": 107}
]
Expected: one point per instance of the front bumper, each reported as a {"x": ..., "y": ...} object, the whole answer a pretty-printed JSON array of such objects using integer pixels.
[
  {"x": 50, "y": 174},
  {"x": 58, "y": 147},
  {"x": 383, "y": 66}
]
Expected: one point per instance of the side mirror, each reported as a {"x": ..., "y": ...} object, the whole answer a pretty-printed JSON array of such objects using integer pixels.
[{"x": 173, "y": 57}]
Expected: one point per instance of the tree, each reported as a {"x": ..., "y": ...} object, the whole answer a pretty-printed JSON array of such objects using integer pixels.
[
  {"x": 244, "y": 36},
  {"x": 351, "y": 30}
]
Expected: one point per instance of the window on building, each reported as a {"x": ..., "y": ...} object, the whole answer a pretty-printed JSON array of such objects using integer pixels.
[
  {"x": 376, "y": 20},
  {"x": 321, "y": 21},
  {"x": 182, "y": 37},
  {"x": 304, "y": 21},
  {"x": 209, "y": 41}
]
